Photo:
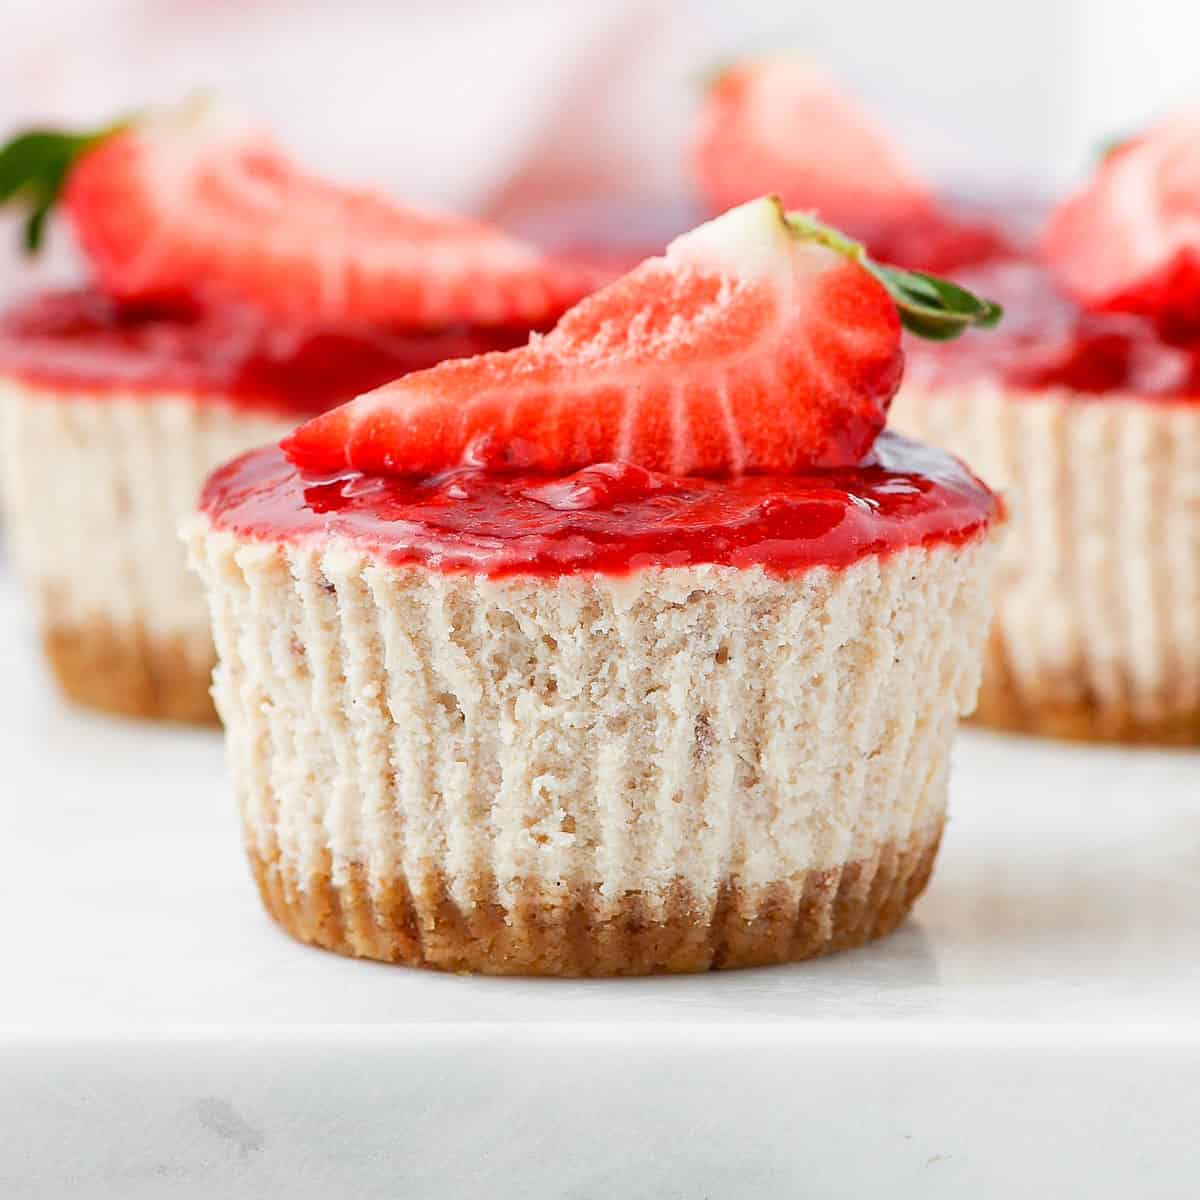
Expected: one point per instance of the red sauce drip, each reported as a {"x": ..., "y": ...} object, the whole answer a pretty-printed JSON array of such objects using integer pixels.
[
  {"x": 1047, "y": 342},
  {"x": 612, "y": 518},
  {"x": 80, "y": 340}
]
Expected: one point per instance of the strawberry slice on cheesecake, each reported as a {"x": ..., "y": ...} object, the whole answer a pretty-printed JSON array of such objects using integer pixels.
[
  {"x": 638, "y": 648},
  {"x": 782, "y": 124},
  {"x": 200, "y": 201},
  {"x": 231, "y": 292},
  {"x": 783, "y": 359}
]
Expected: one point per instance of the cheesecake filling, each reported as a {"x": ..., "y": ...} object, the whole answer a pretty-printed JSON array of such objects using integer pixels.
[
  {"x": 1091, "y": 423},
  {"x": 675, "y": 732},
  {"x": 612, "y": 518}
]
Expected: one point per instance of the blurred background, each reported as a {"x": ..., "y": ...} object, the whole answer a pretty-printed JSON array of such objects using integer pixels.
[{"x": 510, "y": 109}]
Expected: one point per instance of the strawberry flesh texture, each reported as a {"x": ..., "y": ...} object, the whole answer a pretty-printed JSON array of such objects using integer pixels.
[{"x": 678, "y": 367}]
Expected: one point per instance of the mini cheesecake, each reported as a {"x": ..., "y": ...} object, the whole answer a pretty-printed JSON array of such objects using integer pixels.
[
  {"x": 112, "y": 417},
  {"x": 233, "y": 293},
  {"x": 612, "y": 723},
  {"x": 637, "y": 649},
  {"x": 1091, "y": 423},
  {"x": 1087, "y": 407}
]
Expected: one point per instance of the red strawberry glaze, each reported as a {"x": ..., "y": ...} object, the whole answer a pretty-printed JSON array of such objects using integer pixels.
[
  {"x": 1048, "y": 343},
  {"x": 82, "y": 341},
  {"x": 612, "y": 518},
  {"x": 940, "y": 242}
]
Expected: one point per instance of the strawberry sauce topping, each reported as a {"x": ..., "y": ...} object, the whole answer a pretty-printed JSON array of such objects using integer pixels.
[
  {"x": 82, "y": 341},
  {"x": 1048, "y": 342},
  {"x": 611, "y": 518}
]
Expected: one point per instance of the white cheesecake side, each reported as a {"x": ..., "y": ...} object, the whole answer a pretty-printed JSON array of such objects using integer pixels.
[
  {"x": 1097, "y": 596},
  {"x": 96, "y": 484},
  {"x": 678, "y": 769}
]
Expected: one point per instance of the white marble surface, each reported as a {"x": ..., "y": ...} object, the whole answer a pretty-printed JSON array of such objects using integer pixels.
[{"x": 159, "y": 1038}]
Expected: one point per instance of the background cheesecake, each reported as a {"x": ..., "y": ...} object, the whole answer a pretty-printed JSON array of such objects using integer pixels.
[
  {"x": 113, "y": 415},
  {"x": 232, "y": 295},
  {"x": 1085, "y": 408}
]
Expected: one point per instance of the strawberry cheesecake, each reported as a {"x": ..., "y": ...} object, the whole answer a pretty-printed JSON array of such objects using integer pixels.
[
  {"x": 231, "y": 296},
  {"x": 1086, "y": 407},
  {"x": 638, "y": 648}
]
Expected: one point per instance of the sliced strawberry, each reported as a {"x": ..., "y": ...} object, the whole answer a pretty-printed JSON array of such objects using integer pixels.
[
  {"x": 198, "y": 203},
  {"x": 1129, "y": 240},
  {"x": 781, "y": 125},
  {"x": 759, "y": 342}
]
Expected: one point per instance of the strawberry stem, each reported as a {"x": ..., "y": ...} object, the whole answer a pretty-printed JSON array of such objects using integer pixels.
[
  {"x": 34, "y": 167},
  {"x": 1110, "y": 145},
  {"x": 931, "y": 307}
]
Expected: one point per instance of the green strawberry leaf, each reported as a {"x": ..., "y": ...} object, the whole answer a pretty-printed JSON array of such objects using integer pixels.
[
  {"x": 34, "y": 227},
  {"x": 931, "y": 307},
  {"x": 34, "y": 166},
  {"x": 935, "y": 308}
]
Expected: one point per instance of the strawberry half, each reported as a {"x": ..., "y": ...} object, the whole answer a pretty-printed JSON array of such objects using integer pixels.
[
  {"x": 197, "y": 203},
  {"x": 781, "y": 125},
  {"x": 760, "y": 342},
  {"x": 1129, "y": 240}
]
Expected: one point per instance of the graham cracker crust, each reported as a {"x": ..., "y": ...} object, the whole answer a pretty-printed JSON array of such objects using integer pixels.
[
  {"x": 130, "y": 673},
  {"x": 547, "y": 933},
  {"x": 1044, "y": 712}
]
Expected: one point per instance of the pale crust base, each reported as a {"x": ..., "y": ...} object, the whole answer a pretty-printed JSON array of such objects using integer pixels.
[
  {"x": 547, "y": 933},
  {"x": 130, "y": 672},
  {"x": 1046, "y": 711}
]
